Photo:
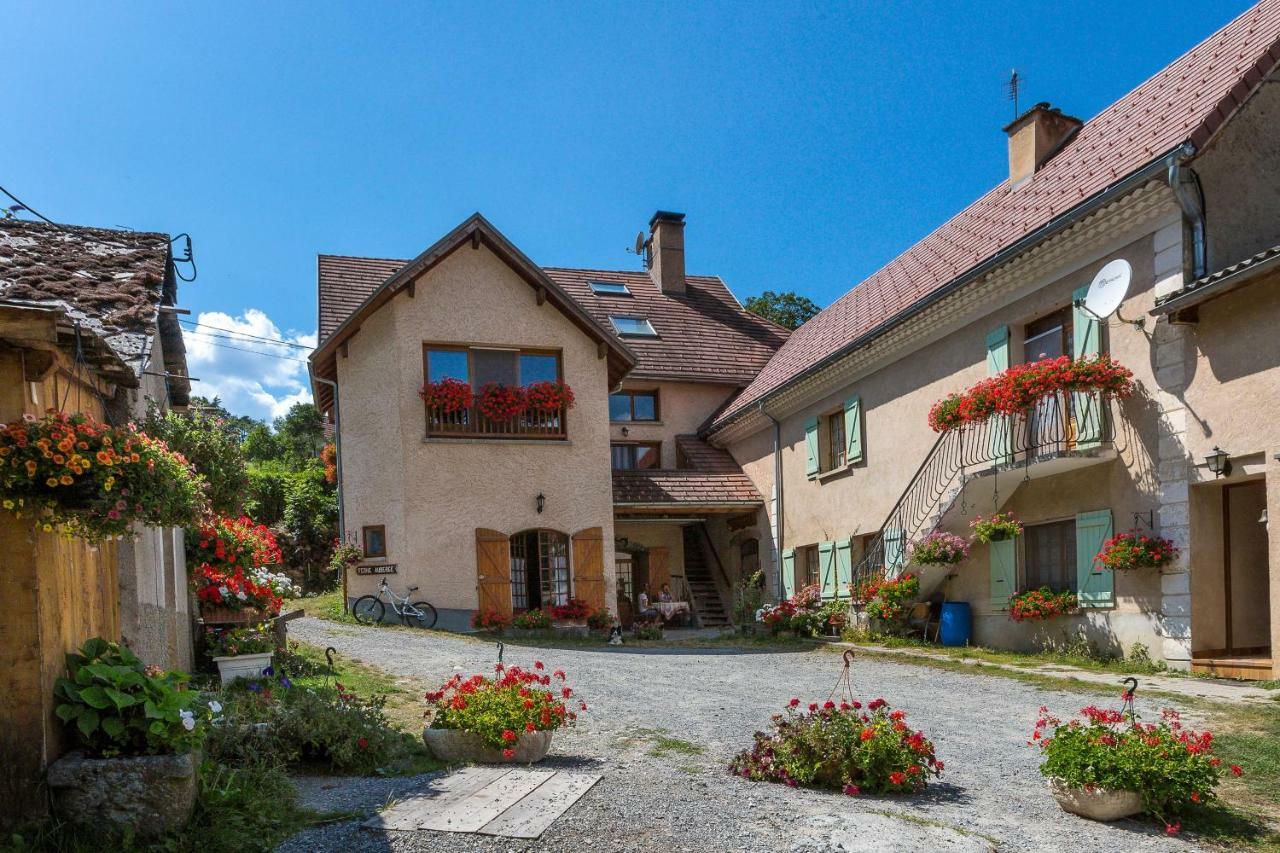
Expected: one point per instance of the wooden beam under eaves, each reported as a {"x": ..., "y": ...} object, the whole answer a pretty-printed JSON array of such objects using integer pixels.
[
  {"x": 542, "y": 295},
  {"x": 602, "y": 349},
  {"x": 411, "y": 286},
  {"x": 475, "y": 239}
]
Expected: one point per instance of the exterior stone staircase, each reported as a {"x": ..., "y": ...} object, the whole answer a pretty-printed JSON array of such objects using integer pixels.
[{"x": 708, "y": 606}]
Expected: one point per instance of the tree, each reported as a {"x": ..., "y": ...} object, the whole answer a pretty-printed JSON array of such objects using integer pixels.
[
  {"x": 238, "y": 424},
  {"x": 300, "y": 434},
  {"x": 786, "y": 308}
]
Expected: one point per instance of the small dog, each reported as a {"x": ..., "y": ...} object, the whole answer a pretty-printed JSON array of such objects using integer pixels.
[{"x": 615, "y": 635}]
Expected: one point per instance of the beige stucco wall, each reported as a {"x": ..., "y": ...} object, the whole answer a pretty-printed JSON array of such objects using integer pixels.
[
  {"x": 682, "y": 408},
  {"x": 432, "y": 494}
]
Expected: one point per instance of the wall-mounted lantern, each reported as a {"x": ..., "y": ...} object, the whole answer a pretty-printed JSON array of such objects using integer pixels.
[
  {"x": 1218, "y": 461},
  {"x": 540, "y": 501}
]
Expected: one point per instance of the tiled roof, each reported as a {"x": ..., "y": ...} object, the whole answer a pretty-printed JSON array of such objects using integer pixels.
[
  {"x": 110, "y": 282},
  {"x": 1218, "y": 282},
  {"x": 713, "y": 479},
  {"x": 703, "y": 335},
  {"x": 1186, "y": 102}
]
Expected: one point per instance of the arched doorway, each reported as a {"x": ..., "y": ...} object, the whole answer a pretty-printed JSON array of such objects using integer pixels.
[{"x": 539, "y": 569}]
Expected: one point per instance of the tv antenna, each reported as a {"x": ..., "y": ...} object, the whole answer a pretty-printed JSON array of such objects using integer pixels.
[{"x": 1013, "y": 87}]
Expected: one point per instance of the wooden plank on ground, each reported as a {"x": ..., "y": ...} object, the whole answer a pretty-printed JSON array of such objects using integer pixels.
[
  {"x": 483, "y": 805},
  {"x": 530, "y": 817},
  {"x": 410, "y": 814}
]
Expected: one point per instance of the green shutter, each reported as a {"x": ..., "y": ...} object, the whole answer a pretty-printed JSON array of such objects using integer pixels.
[
  {"x": 844, "y": 567},
  {"x": 788, "y": 572},
  {"x": 1086, "y": 339},
  {"x": 1095, "y": 587},
  {"x": 827, "y": 569},
  {"x": 811, "y": 444},
  {"x": 895, "y": 552},
  {"x": 1004, "y": 572},
  {"x": 1000, "y": 444},
  {"x": 853, "y": 429}
]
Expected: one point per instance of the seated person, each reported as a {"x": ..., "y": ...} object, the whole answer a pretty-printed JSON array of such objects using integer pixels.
[
  {"x": 644, "y": 610},
  {"x": 665, "y": 595}
]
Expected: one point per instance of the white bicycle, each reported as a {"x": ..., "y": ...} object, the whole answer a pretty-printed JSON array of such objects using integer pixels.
[{"x": 369, "y": 609}]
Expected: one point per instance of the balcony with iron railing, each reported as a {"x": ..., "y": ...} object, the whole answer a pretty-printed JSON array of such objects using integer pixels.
[{"x": 471, "y": 422}]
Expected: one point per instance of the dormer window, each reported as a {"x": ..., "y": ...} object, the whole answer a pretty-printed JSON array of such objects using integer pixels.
[
  {"x": 609, "y": 288},
  {"x": 632, "y": 327}
]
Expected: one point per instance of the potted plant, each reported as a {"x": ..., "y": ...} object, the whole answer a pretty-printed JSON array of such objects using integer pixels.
[
  {"x": 835, "y": 615},
  {"x": 600, "y": 620},
  {"x": 241, "y": 652},
  {"x": 572, "y": 614},
  {"x": 889, "y": 604},
  {"x": 1042, "y": 603},
  {"x": 508, "y": 718},
  {"x": 229, "y": 596},
  {"x": 843, "y": 747},
  {"x": 549, "y": 397},
  {"x": 490, "y": 621},
  {"x": 1133, "y": 550},
  {"x": 939, "y": 548},
  {"x": 997, "y": 528},
  {"x": 532, "y": 620},
  {"x": 138, "y": 730},
  {"x": 1106, "y": 765}
]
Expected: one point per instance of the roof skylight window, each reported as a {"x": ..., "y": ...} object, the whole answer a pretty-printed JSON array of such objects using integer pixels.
[
  {"x": 609, "y": 288},
  {"x": 633, "y": 327}
]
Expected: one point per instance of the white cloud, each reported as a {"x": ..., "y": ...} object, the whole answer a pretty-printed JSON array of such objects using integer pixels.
[{"x": 252, "y": 376}]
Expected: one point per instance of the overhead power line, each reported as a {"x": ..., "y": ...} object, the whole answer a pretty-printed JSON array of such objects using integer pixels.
[
  {"x": 244, "y": 334},
  {"x": 246, "y": 349},
  {"x": 27, "y": 207}
]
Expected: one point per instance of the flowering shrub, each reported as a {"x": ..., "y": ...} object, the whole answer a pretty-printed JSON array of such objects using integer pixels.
[
  {"x": 1171, "y": 766},
  {"x": 113, "y": 705},
  {"x": 844, "y": 748},
  {"x": 501, "y": 709},
  {"x": 1021, "y": 386},
  {"x": 329, "y": 456},
  {"x": 226, "y": 542},
  {"x": 801, "y": 612},
  {"x": 532, "y": 620},
  {"x": 231, "y": 589},
  {"x": 1042, "y": 603},
  {"x": 1132, "y": 550},
  {"x": 92, "y": 479},
  {"x": 501, "y": 402},
  {"x": 864, "y": 589},
  {"x": 447, "y": 395},
  {"x": 549, "y": 397},
  {"x": 573, "y": 610},
  {"x": 490, "y": 620},
  {"x": 997, "y": 528},
  {"x": 939, "y": 549},
  {"x": 892, "y": 597},
  {"x": 230, "y": 642}
]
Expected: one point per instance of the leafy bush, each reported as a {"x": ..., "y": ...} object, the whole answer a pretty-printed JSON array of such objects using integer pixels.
[
  {"x": 490, "y": 620},
  {"x": 890, "y": 599},
  {"x": 1171, "y": 766},
  {"x": 532, "y": 620},
  {"x": 843, "y": 748},
  {"x": 250, "y": 640},
  {"x": 748, "y": 596},
  {"x": 500, "y": 710},
  {"x": 599, "y": 620},
  {"x": 115, "y": 706},
  {"x": 647, "y": 630},
  {"x": 212, "y": 445},
  {"x": 1042, "y": 603}
]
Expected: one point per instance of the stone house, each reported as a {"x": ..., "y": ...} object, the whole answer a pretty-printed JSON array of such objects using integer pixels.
[{"x": 1180, "y": 179}]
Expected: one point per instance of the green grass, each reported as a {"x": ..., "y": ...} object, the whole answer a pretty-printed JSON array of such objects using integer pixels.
[{"x": 659, "y": 741}]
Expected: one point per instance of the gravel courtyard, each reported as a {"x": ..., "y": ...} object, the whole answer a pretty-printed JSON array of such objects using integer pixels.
[{"x": 990, "y": 797}]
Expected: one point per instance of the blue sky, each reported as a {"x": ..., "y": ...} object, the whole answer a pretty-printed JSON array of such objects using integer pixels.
[{"x": 808, "y": 143}]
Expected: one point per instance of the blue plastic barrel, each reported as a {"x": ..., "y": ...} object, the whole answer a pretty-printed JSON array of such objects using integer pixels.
[{"x": 957, "y": 623}]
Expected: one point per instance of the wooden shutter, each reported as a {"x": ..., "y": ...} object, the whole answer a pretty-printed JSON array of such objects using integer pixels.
[
  {"x": 1004, "y": 572},
  {"x": 827, "y": 569},
  {"x": 788, "y": 572},
  {"x": 844, "y": 567},
  {"x": 895, "y": 551},
  {"x": 1001, "y": 426},
  {"x": 1086, "y": 408},
  {"x": 659, "y": 569},
  {"x": 811, "y": 445},
  {"x": 588, "y": 566},
  {"x": 853, "y": 429},
  {"x": 1095, "y": 586},
  {"x": 493, "y": 571}
]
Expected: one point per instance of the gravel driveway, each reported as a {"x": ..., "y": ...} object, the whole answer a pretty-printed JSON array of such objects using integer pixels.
[{"x": 990, "y": 797}]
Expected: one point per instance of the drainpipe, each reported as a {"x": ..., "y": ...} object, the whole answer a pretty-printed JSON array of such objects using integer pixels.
[
  {"x": 777, "y": 487},
  {"x": 337, "y": 446},
  {"x": 1187, "y": 190}
]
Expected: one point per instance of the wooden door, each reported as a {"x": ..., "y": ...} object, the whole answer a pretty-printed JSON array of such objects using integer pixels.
[
  {"x": 493, "y": 571},
  {"x": 659, "y": 570},
  {"x": 588, "y": 567}
]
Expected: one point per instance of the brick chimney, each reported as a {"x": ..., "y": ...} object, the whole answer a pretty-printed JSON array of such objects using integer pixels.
[
  {"x": 1035, "y": 136},
  {"x": 666, "y": 251}
]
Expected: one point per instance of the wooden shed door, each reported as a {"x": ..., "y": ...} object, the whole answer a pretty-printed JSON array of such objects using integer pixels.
[
  {"x": 588, "y": 566},
  {"x": 493, "y": 571},
  {"x": 659, "y": 570}
]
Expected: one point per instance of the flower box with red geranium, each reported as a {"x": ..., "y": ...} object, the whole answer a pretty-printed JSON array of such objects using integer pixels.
[
  {"x": 1133, "y": 550},
  {"x": 549, "y": 397},
  {"x": 841, "y": 747},
  {"x": 490, "y": 620},
  {"x": 1042, "y": 603},
  {"x": 500, "y": 403},
  {"x": 574, "y": 612},
  {"x": 228, "y": 595},
  {"x": 93, "y": 480},
  {"x": 507, "y": 718},
  {"x": 1108, "y": 764},
  {"x": 447, "y": 396},
  {"x": 1019, "y": 388}
]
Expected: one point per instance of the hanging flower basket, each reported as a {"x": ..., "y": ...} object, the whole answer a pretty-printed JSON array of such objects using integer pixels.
[
  {"x": 1042, "y": 603},
  {"x": 501, "y": 403},
  {"x": 1132, "y": 550},
  {"x": 939, "y": 549},
  {"x": 93, "y": 479},
  {"x": 549, "y": 397},
  {"x": 1020, "y": 387},
  {"x": 997, "y": 528},
  {"x": 447, "y": 396}
]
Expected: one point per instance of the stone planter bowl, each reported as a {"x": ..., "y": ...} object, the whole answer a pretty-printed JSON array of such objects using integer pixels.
[
  {"x": 1099, "y": 804},
  {"x": 151, "y": 793},
  {"x": 242, "y": 666},
  {"x": 455, "y": 746}
]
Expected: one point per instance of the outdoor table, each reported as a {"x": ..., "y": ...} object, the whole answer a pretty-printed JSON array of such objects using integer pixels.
[{"x": 670, "y": 609}]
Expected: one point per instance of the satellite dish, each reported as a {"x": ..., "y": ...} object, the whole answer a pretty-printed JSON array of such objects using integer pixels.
[
  {"x": 1108, "y": 288},
  {"x": 640, "y": 243}
]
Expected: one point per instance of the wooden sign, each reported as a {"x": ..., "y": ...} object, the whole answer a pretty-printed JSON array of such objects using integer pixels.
[{"x": 381, "y": 569}]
